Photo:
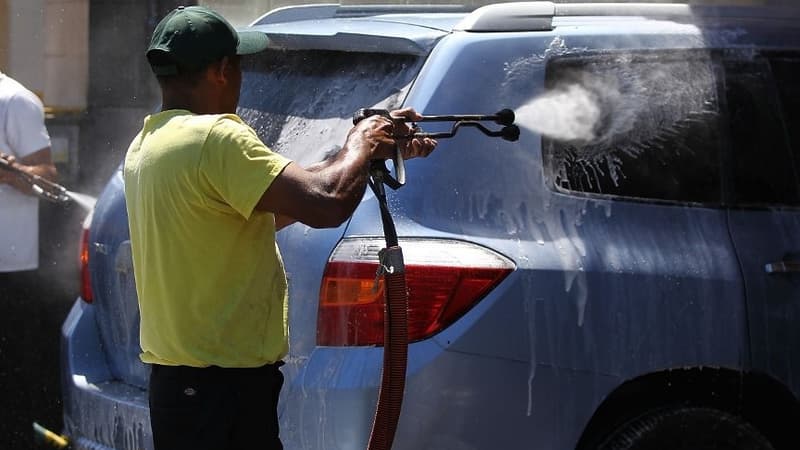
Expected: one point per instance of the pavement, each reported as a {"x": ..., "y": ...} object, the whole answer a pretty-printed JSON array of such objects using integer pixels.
[{"x": 33, "y": 305}]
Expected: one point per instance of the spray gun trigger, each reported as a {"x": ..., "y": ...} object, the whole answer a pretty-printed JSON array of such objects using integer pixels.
[{"x": 399, "y": 168}]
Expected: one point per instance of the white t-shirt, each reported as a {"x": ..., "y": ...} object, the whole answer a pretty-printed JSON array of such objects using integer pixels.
[{"x": 22, "y": 132}]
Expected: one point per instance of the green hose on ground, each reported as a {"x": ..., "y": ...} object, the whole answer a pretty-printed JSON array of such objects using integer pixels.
[{"x": 42, "y": 435}]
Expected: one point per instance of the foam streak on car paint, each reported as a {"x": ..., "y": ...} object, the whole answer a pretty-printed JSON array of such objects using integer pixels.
[{"x": 530, "y": 311}]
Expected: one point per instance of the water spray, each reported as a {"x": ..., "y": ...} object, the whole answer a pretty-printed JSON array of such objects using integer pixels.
[{"x": 392, "y": 267}]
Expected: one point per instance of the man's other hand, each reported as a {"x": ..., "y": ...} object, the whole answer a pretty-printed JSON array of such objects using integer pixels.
[{"x": 415, "y": 147}]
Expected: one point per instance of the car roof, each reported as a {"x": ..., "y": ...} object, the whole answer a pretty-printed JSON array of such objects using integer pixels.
[
  {"x": 415, "y": 29},
  {"x": 407, "y": 29}
]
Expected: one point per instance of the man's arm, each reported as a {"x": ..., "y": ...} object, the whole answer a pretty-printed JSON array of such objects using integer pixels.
[
  {"x": 326, "y": 194},
  {"x": 37, "y": 163}
]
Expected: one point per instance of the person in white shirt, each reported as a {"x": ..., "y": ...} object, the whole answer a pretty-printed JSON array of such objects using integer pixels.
[{"x": 25, "y": 144}]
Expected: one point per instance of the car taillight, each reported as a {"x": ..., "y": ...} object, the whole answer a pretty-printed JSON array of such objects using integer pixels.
[
  {"x": 86, "y": 282},
  {"x": 445, "y": 279}
]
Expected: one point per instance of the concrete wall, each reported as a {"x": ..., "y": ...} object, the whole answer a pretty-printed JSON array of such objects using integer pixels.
[
  {"x": 243, "y": 12},
  {"x": 24, "y": 58},
  {"x": 44, "y": 45},
  {"x": 4, "y": 37},
  {"x": 66, "y": 54},
  {"x": 122, "y": 90}
]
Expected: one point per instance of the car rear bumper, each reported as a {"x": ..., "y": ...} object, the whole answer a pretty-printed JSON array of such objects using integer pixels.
[{"x": 99, "y": 411}]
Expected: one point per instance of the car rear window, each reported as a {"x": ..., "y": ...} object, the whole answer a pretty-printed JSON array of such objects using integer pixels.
[{"x": 301, "y": 103}]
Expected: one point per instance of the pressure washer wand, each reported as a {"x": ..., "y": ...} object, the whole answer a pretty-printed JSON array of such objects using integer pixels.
[
  {"x": 504, "y": 117},
  {"x": 42, "y": 187}
]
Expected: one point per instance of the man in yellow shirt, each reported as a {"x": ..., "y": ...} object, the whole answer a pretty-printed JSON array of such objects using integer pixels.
[{"x": 205, "y": 197}]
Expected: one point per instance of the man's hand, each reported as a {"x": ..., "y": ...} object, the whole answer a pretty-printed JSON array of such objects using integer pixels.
[
  {"x": 7, "y": 176},
  {"x": 379, "y": 134},
  {"x": 373, "y": 135}
]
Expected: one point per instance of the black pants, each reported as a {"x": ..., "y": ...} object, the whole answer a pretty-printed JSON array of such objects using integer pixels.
[{"x": 215, "y": 408}]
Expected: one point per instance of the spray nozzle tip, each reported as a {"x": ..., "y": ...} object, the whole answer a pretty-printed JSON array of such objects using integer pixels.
[
  {"x": 510, "y": 133},
  {"x": 505, "y": 117}
]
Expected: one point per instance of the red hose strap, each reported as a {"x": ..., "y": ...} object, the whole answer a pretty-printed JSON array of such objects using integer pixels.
[{"x": 395, "y": 352}]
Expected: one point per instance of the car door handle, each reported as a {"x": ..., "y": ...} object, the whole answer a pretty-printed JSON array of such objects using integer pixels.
[{"x": 782, "y": 267}]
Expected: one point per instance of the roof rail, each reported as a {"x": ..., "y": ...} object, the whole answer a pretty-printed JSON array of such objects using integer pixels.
[
  {"x": 330, "y": 10},
  {"x": 623, "y": 9},
  {"x": 523, "y": 16},
  {"x": 538, "y": 16}
]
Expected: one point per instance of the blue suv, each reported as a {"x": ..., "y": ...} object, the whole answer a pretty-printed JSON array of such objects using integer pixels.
[{"x": 624, "y": 276}]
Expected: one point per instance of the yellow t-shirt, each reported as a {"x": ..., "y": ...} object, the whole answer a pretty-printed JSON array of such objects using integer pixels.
[{"x": 209, "y": 276}]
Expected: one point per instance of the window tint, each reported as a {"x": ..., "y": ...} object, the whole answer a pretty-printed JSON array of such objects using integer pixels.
[
  {"x": 786, "y": 73},
  {"x": 300, "y": 101},
  {"x": 659, "y": 132},
  {"x": 764, "y": 172}
]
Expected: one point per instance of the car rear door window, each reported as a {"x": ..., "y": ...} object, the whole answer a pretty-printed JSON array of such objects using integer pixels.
[
  {"x": 759, "y": 100},
  {"x": 658, "y": 136}
]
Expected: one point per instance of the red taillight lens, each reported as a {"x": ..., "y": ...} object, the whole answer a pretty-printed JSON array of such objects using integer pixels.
[
  {"x": 86, "y": 282},
  {"x": 445, "y": 279}
]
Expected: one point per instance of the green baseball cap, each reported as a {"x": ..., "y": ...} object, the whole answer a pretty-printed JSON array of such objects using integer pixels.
[{"x": 192, "y": 37}]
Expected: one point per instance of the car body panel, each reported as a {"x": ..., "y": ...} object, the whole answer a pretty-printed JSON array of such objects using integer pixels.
[
  {"x": 763, "y": 238},
  {"x": 576, "y": 303}
]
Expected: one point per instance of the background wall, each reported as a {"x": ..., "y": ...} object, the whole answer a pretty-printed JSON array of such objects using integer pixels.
[
  {"x": 66, "y": 54},
  {"x": 25, "y": 42}
]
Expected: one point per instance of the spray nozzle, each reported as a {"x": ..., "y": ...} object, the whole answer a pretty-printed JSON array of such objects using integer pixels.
[{"x": 505, "y": 117}]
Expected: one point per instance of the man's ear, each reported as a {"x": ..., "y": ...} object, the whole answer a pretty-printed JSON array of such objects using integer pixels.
[{"x": 217, "y": 71}]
